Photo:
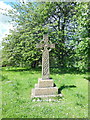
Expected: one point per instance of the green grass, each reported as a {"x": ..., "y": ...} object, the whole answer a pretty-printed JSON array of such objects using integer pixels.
[{"x": 16, "y": 91}]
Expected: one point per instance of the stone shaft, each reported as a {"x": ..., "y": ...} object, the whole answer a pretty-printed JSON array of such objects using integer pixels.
[
  {"x": 45, "y": 44},
  {"x": 45, "y": 64}
]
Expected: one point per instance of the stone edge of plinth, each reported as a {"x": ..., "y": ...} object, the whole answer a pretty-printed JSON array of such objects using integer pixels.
[
  {"x": 40, "y": 79},
  {"x": 32, "y": 92},
  {"x": 45, "y": 96},
  {"x": 46, "y": 87}
]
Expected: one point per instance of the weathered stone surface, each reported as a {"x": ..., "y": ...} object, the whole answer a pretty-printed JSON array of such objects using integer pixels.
[
  {"x": 44, "y": 91},
  {"x": 45, "y": 56},
  {"x": 45, "y": 83},
  {"x": 45, "y": 86}
]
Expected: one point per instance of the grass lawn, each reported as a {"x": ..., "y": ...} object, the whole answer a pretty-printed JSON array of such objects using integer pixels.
[{"x": 16, "y": 90}]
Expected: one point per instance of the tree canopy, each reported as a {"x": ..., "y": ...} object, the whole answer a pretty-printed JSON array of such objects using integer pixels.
[{"x": 67, "y": 25}]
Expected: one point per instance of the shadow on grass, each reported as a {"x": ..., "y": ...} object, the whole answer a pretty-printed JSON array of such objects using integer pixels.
[
  {"x": 39, "y": 69},
  {"x": 87, "y": 78},
  {"x": 64, "y": 87},
  {"x": 17, "y": 69},
  {"x": 66, "y": 70}
]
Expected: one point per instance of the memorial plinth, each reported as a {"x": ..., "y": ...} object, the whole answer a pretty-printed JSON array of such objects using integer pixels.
[{"x": 45, "y": 86}]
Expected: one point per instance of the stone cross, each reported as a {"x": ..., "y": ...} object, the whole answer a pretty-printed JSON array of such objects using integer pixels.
[{"x": 45, "y": 45}]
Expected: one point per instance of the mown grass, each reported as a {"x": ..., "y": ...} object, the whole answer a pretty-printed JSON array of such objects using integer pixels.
[{"x": 16, "y": 91}]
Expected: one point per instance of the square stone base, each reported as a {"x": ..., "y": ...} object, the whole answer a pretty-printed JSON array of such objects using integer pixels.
[
  {"x": 45, "y": 83},
  {"x": 44, "y": 88}
]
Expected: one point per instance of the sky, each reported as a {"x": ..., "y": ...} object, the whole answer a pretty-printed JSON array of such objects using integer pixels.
[{"x": 5, "y": 25}]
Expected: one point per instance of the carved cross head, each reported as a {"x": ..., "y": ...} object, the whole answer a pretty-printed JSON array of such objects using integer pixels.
[{"x": 45, "y": 44}]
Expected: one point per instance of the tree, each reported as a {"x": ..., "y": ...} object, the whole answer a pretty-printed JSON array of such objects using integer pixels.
[
  {"x": 82, "y": 31},
  {"x": 60, "y": 20},
  {"x": 20, "y": 44}
]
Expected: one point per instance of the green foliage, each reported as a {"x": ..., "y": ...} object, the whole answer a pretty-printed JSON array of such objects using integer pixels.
[
  {"x": 18, "y": 83},
  {"x": 82, "y": 46},
  {"x": 82, "y": 54},
  {"x": 66, "y": 25}
]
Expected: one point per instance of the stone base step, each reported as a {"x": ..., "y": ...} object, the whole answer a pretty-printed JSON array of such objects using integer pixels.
[
  {"x": 45, "y": 91},
  {"x": 45, "y": 83},
  {"x": 44, "y": 88}
]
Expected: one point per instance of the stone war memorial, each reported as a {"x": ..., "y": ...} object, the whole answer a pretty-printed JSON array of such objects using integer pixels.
[{"x": 45, "y": 86}]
